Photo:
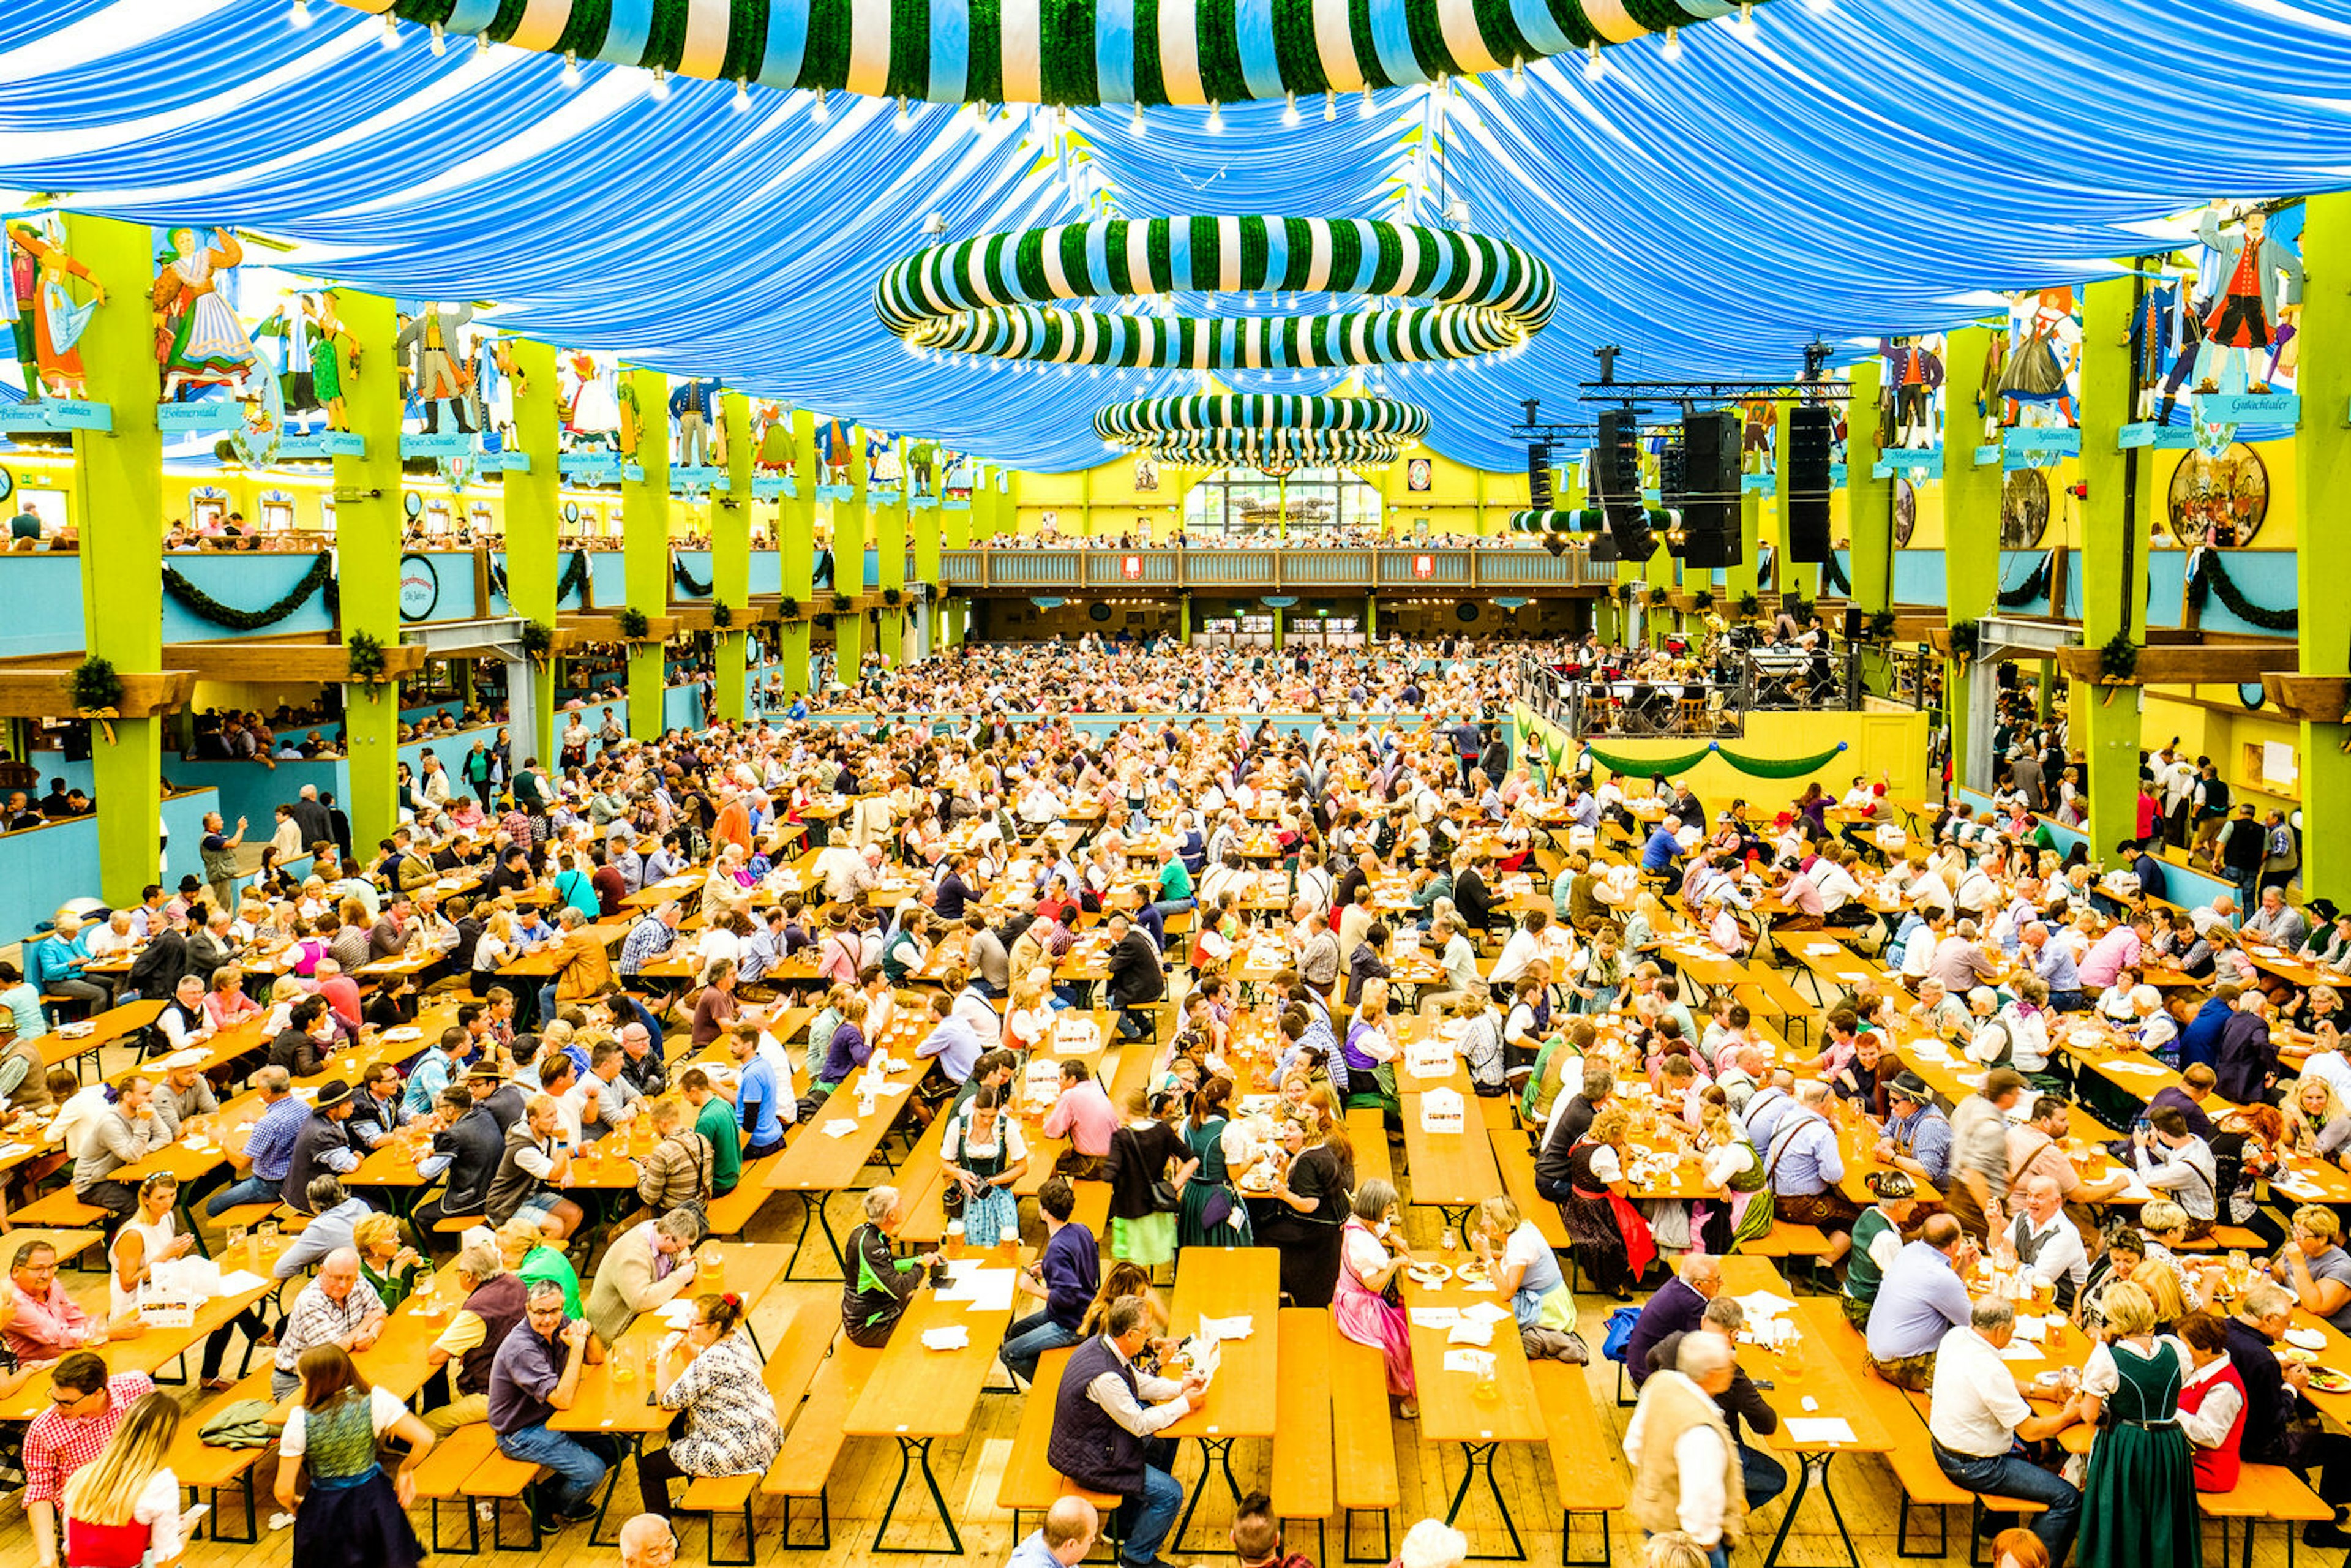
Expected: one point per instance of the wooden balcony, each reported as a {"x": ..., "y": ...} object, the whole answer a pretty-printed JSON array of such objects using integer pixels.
[{"x": 1022, "y": 570}]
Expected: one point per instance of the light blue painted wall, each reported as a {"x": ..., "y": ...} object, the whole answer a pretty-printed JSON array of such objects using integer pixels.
[
  {"x": 47, "y": 866},
  {"x": 244, "y": 582},
  {"x": 43, "y": 593}
]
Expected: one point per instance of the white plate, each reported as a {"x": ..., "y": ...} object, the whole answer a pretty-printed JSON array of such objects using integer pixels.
[{"x": 2305, "y": 1339}]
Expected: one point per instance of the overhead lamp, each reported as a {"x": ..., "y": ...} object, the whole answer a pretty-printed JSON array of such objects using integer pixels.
[
  {"x": 1747, "y": 20},
  {"x": 660, "y": 83},
  {"x": 1672, "y": 48},
  {"x": 1594, "y": 68},
  {"x": 1289, "y": 110},
  {"x": 391, "y": 38},
  {"x": 1330, "y": 105},
  {"x": 1367, "y": 101},
  {"x": 1457, "y": 213},
  {"x": 936, "y": 224},
  {"x": 440, "y": 44},
  {"x": 1216, "y": 118},
  {"x": 1517, "y": 76},
  {"x": 903, "y": 120},
  {"x": 571, "y": 68},
  {"x": 299, "y": 16},
  {"x": 481, "y": 43},
  {"x": 1134, "y": 126},
  {"x": 819, "y": 111}
]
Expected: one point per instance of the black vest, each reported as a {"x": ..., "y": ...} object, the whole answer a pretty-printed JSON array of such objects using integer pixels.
[
  {"x": 499, "y": 1304},
  {"x": 474, "y": 1144},
  {"x": 319, "y": 1135},
  {"x": 1087, "y": 1445}
]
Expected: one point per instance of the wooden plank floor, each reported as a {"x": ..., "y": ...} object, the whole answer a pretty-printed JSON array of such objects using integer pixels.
[{"x": 968, "y": 1473}]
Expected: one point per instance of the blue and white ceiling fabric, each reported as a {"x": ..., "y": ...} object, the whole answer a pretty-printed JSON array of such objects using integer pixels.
[{"x": 1844, "y": 169}]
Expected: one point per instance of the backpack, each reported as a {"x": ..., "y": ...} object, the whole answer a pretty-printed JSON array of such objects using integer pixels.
[{"x": 1618, "y": 1333}]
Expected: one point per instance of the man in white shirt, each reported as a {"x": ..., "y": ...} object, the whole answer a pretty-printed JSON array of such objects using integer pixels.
[
  {"x": 2173, "y": 1160},
  {"x": 1685, "y": 1470},
  {"x": 2047, "y": 1242},
  {"x": 1978, "y": 1412},
  {"x": 1524, "y": 946}
]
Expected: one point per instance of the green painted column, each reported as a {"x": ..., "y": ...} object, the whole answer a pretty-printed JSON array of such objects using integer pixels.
[
  {"x": 1788, "y": 578},
  {"x": 2115, "y": 519},
  {"x": 118, "y": 502},
  {"x": 534, "y": 517},
  {"x": 2323, "y": 563},
  {"x": 368, "y": 520},
  {"x": 848, "y": 566},
  {"x": 890, "y": 529},
  {"x": 1184, "y": 620},
  {"x": 1657, "y": 572},
  {"x": 796, "y": 549},
  {"x": 1740, "y": 579},
  {"x": 1971, "y": 519},
  {"x": 730, "y": 555},
  {"x": 1869, "y": 517},
  {"x": 1280, "y": 625},
  {"x": 644, "y": 548},
  {"x": 1371, "y": 616}
]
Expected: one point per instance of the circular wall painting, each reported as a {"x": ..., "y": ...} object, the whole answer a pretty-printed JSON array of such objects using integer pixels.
[
  {"x": 2024, "y": 510},
  {"x": 1905, "y": 512},
  {"x": 2220, "y": 501}
]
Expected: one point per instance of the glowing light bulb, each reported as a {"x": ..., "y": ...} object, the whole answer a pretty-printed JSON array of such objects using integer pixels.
[
  {"x": 819, "y": 111},
  {"x": 1367, "y": 101},
  {"x": 440, "y": 44},
  {"x": 904, "y": 119},
  {"x": 390, "y": 39},
  {"x": 1134, "y": 127},
  {"x": 1330, "y": 105},
  {"x": 1594, "y": 68},
  {"x": 570, "y": 69},
  {"x": 1216, "y": 118},
  {"x": 1672, "y": 48},
  {"x": 660, "y": 83},
  {"x": 1289, "y": 110},
  {"x": 1518, "y": 76},
  {"x": 299, "y": 16},
  {"x": 1747, "y": 20}
]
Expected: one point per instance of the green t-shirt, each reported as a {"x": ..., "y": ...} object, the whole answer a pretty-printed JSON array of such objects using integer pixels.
[
  {"x": 544, "y": 1263},
  {"x": 716, "y": 1121},
  {"x": 1175, "y": 880}
]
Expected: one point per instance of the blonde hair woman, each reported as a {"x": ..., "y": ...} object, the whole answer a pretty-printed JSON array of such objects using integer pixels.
[
  {"x": 2138, "y": 1498},
  {"x": 1028, "y": 1017},
  {"x": 123, "y": 1509},
  {"x": 384, "y": 1262},
  {"x": 2316, "y": 1121}
]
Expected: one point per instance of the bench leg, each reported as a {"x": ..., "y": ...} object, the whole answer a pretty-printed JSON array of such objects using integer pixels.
[
  {"x": 910, "y": 1449},
  {"x": 472, "y": 1528},
  {"x": 750, "y": 1541},
  {"x": 497, "y": 1527},
  {"x": 824, "y": 1524},
  {"x": 1476, "y": 1455},
  {"x": 1567, "y": 1535},
  {"x": 1902, "y": 1532},
  {"x": 1347, "y": 1538}
]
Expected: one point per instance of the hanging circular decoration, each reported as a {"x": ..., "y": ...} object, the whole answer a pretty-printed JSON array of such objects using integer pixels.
[
  {"x": 1273, "y": 433},
  {"x": 2219, "y": 501},
  {"x": 1566, "y": 524},
  {"x": 1056, "y": 51},
  {"x": 997, "y": 297},
  {"x": 2024, "y": 510}
]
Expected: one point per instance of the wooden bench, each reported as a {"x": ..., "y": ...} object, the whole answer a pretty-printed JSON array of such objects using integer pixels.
[
  {"x": 59, "y": 1210},
  {"x": 2263, "y": 1492},
  {"x": 1517, "y": 1164},
  {"x": 2226, "y": 1238},
  {"x": 1369, "y": 1134},
  {"x": 1029, "y": 1484},
  {"x": 730, "y": 1211},
  {"x": 1302, "y": 1481},
  {"x": 920, "y": 1182},
  {"x": 801, "y": 1349},
  {"x": 813, "y": 1445},
  {"x": 443, "y": 1475},
  {"x": 1587, "y": 1463},
  {"x": 499, "y": 1480},
  {"x": 1364, "y": 1471},
  {"x": 1788, "y": 1242},
  {"x": 210, "y": 1470}
]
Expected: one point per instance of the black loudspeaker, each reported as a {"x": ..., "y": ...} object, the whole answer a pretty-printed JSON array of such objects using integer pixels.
[
  {"x": 1618, "y": 460},
  {"x": 1710, "y": 489},
  {"x": 1538, "y": 496},
  {"x": 1810, "y": 428},
  {"x": 1853, "y": 622},
  {"x": 1673, "y": 487}
]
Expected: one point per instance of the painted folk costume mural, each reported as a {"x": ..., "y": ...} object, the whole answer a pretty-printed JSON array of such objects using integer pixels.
[
  {"x": 43, "y": 312},
  {"x": 2247, "y": 328},
  {"x": 199, "y": 342},
  {"x": 2036, "y": 363},
  {"x": 436, "y": 364},
  {"x": 1913, "y": 390}
]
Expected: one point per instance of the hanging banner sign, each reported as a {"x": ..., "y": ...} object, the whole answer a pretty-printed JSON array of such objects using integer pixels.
[
  {"x": 2043, "y": 439},
  {"x": 770, "y": 486},
  {"x": 324, "y": 443},
  {"x": 199, "y": 418},
  {"x": 447, "y": 443},
  {"x": 2160, "y": 437},
  {"x": 57, "y": 414}
]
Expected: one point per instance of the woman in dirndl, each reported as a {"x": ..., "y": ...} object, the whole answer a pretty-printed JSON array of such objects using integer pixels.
[
  {"x": 1611, "y": 1240},
  {"x": 1370, "y": 1253},
  {"x": 984, "y": 1153},
  {"x": 352, "y": 1514},
  {"x": 1213, "y": 1214}
]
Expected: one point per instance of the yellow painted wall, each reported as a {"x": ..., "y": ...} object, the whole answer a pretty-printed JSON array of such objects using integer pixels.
[
  {"x": 1893, "y": 744},
  {"x": 2210, "y": 722},
  {"x": 2278, "y": 532}
]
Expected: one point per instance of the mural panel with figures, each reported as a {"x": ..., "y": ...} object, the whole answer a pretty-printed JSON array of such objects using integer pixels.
[{"x": 2219, "y": 501}]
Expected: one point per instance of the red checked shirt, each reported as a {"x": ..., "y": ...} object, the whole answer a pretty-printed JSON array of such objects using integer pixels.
[{"x": 56, "y": 1444}]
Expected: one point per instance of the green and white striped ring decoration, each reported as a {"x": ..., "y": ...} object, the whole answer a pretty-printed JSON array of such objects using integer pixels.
[
  {"x": 1074, "y": 52},
  {"x": 1581, "y": 521},
  {"x": 1265, "y": 431},
  {"x": 996, "y": 296}
]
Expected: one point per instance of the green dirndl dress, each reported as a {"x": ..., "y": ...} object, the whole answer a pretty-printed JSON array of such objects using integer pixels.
[
  {"x": 1209, "y": 1187},
  {"x": 2138, "y": 1498},
  {"x": 1756, "y": 1215}
]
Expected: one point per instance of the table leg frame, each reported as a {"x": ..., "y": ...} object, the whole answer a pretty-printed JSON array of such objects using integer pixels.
[
  {"x": 812, "y": 1208},
  {"x": 1212, "y": 1450},
  {"x": 1567, "y": 1538},
  {"x": 627, "y": 1457},
  {"x": 909, "y": 1449},
  {"x": 1477, "y": 1455},
  {"x": 1815, "y": 1465}
]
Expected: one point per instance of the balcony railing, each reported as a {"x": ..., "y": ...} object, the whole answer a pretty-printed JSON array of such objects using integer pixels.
[{"x": 1319, "y": 571}]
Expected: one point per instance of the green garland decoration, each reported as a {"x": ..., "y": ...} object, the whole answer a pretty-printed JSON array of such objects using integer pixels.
[
  {"x": 1703, "y": 599},
  {"x": 2119, "y": 661},
  {"x": 1274, "y": 433},
  {"x": 1658, "y": 596},
  {"x": 577, "y": 577},
  {"x": 537, "y": 640},
  {"x": 685, "y": 580},
  {"x": 999, "y": 296},
  {"x": 2208, "y": 574},
  {"x": 364, "y": 652},
  {"x": 891, "y": 596},
  {"x": 1072, "y": 49},
  {"x": 722, "y": 615},
  {"x": 1749, "y": 606},
  {"x": 205, "y": 607},
  {"x": 842, "y": 604},
  {"x": 633, "y": 624},
  {"x": 1682, "y": 762},
  {"x": 96, "y": 685},
  {"x": 787, "y": 608},
  {"x": 2035, "y": 586},
  {"x": 1967, "y": 640},
  {"x": 1881, "y": 626}
]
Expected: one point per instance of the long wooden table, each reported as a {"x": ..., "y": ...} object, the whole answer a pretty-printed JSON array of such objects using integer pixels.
[
  {"x": 1462, "y": 1407},
  {"x": 816, "y": 1164},
  {"x": 1228, "y": 1283}
]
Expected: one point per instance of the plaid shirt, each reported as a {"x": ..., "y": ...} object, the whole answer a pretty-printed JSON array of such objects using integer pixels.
[
  {"x": 56, "y": 1444},
  {"x": 271, "y": 1145},
  {"x": 319, "y": 1319},
  {"x": 648, "y": 939}
]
